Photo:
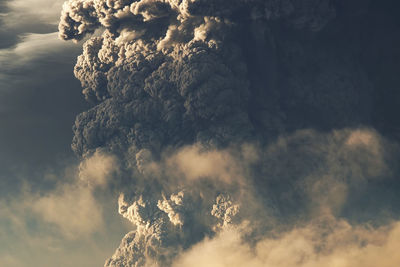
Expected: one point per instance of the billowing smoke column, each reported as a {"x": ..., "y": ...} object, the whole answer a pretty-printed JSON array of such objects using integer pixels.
[{"x": 201, "y": 101}]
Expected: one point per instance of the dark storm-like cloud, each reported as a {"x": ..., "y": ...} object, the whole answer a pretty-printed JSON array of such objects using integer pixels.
[
  {"x": 191, "y": 79},
  {"x": 239, "y": 117}
]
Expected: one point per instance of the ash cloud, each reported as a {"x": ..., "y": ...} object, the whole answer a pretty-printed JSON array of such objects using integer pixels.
[
  {"x": 73, "y": 207},
  {"x": 326, "y": 242},
  {"x": 68, "y": 223},
  {"x": 300, "y": 186},
  {"x": 223, "y": 114},
  {"x": 198, "y": 72}
]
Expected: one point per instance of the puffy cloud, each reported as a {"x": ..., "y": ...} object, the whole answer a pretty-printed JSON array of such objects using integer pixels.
[
  {"x": 166, "y": 227},
  {"x": 173, "y": 207},
  {"x": 294, "y": 181},
  {"x": 179, "y": 87},
  {"x": 83, "y": 16},
  {"x": 63, "y": 222},
  {"x": 196, "y": 162},
  {"x": 177, "y": 72},
  {"x": 97, "y": 169},
  {"x": 328, "y": 242},
  {"x": 154, "y": 239},
  {"x": 73, "y": 207},
  {"x": 315, "y": 169},
  {"x": 225, "y": 210},
  {"x": 78, "y": 18}
]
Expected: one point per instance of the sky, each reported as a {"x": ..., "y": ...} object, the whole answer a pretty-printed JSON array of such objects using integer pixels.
[
  {"x": 39, "y": 99},
  {"x": 225, "y": 133}
]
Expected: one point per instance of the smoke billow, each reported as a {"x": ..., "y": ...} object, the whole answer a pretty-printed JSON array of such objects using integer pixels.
[
  {"x": 232, "y": 123},
  {"x": 326, "y": 242}
]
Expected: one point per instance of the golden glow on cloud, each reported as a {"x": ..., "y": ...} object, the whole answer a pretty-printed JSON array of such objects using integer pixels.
[{"x": 329, "y": 243}]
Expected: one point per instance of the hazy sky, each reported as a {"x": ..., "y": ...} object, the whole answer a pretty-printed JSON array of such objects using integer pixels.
[{"x": 39, "y": 99}]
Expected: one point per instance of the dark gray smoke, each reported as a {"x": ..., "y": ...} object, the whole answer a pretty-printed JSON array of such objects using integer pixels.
[{"x": 226, "y": 112}]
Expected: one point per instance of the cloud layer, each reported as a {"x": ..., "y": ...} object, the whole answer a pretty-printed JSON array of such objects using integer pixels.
[{"x": 328, "y": 242}]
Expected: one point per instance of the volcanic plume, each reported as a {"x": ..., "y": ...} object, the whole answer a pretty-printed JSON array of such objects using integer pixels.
[{"x": 233, "y": 121}]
